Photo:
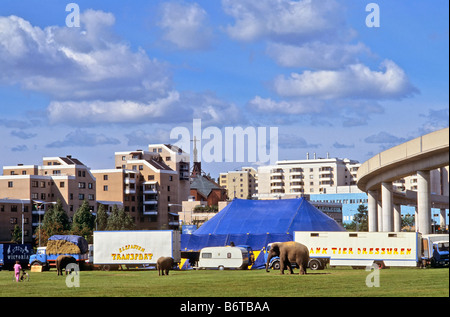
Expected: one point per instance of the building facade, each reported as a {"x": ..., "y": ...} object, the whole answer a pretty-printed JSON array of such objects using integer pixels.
[
  {"x": 149, "y": 185},
  {"x": 59, "y": 178},
  {"x": 241, "y": 184},
  {"x": 302, "y": 177}
]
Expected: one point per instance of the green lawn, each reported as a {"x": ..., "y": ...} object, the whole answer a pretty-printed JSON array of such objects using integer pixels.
[{"x": 337, "y": 282}]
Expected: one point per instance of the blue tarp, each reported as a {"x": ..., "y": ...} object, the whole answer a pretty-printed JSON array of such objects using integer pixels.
[
  {"x": 77, "y": 240},
  {"x": 257, "y": 223}
]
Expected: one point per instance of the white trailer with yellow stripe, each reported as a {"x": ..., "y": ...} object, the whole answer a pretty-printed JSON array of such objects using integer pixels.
[{"x": 359, "y": 249}]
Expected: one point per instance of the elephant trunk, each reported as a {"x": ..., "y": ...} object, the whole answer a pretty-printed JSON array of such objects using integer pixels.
[{"x": 267, "y": 263}]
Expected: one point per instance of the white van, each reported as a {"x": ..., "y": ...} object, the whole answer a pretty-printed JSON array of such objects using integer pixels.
[{"x": 223, "y": 258}]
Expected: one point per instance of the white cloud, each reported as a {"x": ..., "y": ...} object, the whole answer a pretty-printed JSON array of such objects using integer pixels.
[
  {"x": 285, "y": 21},
  {"x": 318, "y": 55},
  {"x": 268, "y": 105},
  {"x": 84, "y": 63},
  {"x": 115, "y": 111},
  {"x": 354, "y": 81},
  {"x": 185, "y": 25}
]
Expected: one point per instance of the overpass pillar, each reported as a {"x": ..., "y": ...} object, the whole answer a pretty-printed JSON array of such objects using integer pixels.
[
  {"x": 372, "y": 206},
  {"x": 442, "y": 220},
  {"x": 423, "y": 201},
  {"x": 387, "y": 206},
  {"x": 397, "y": 218},
  {"x": 379, "y": 216}
]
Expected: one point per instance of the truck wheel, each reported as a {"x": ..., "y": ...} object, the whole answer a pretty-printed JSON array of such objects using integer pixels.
[
  {"x": 276, "y": 265},
  {"x": 315, "y": 264}
]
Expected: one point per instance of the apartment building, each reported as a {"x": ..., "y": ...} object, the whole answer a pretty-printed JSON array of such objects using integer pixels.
[
  {"x": 150, "y": 185},
  {"x": 241, "y": 184},
  {"x": 301, "y": 177},
  {"x": 37, "y": 187}
]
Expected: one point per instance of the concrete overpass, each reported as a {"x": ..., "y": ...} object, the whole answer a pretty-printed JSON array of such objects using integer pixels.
[{"x": 420, "y": 155}]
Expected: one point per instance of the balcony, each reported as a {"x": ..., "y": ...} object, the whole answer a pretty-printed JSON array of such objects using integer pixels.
[{"x": 149, "y": 210}]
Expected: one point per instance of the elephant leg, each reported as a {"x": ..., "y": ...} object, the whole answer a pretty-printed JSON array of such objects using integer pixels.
[
  {"x": 282, "y": 264},
  {"x": 289, "y": 266}
]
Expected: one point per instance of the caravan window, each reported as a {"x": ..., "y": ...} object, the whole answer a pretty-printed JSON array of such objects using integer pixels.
[
  {"x": 229, "y": 255},
  {"x": 207, "y": 255}
]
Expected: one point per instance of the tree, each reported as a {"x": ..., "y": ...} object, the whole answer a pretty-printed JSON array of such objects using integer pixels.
[
  {"x": 119, "y": 220},
  {"x": 359, "y": 222},
  {"x": 16, "y": 235},
  {"x": 83, "y": 221},
  {"x": 55, "y": 220},
  {"x": 102, "y": 218}
]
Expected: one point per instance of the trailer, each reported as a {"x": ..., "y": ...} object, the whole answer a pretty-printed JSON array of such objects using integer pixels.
[
  {"x": 137, "y": 248},
  {"x": 12, "y": 252},
  {"x": 361, "y": 249},
  {"x": 435, "y": 250},
  {"x": 223, "y": 258}
]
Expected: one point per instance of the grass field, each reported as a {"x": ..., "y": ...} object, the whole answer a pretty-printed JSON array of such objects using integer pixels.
[{"x": 336, "y": 282}]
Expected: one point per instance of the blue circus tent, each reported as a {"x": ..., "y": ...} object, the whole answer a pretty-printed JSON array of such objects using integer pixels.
[{"x": 257, "y": 223}]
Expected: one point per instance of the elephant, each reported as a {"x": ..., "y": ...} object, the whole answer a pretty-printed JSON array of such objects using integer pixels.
[
  {"x": 289, "y": 252},
  {"x": 62, "y": 261},
  {"x": 164, "y": 264}
]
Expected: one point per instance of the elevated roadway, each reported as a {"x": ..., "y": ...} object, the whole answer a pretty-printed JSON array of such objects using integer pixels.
[{"x": 418, "y": 156}]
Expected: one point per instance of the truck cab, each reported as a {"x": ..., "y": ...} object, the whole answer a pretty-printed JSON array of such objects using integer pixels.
[
  {"x": 40, "y": 258},
  {"x": 435, "y": 250}
]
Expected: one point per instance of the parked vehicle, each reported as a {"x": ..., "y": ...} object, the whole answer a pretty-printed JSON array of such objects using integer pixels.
[
  {"x": 57, "y": 245},
  {"x": 435, "y": 250},
  {"x": 12, "y": 252},
  {"x": 136, "y": 248},
  {"x": 223, "y": 258},
  {"x": 361, "y": 249}
]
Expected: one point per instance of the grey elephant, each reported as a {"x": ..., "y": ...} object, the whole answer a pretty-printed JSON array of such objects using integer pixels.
[
  {"x": 62, "y": 261},
  {"x": 289, "y": 252},
  {"x": 164, "y": 264}
]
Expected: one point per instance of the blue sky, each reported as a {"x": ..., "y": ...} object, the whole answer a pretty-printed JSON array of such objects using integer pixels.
[{"x": 134, "y": 70}]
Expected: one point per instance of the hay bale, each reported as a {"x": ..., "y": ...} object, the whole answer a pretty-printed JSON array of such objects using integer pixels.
[{"x": 62, "y": 246}]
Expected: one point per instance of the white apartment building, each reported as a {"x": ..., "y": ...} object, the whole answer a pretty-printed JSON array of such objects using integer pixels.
[{"x": 302, "y": 177}]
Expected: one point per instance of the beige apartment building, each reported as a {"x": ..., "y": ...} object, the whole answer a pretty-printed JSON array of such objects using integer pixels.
[
  {"x": 303, "y": 177},
  {"x": 241, "y": 184},
  {"x": 33, "y": 188},
  {"x": 149, "y": 185}
]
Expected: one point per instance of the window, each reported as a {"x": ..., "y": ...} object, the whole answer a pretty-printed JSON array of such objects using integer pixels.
[
  {"x": 105, "y": 188},
  {"x": 61, "y": 184},
  {"x": 91, "y": 197},
  {"x": 13, "y": 208},
  {"x": 206, "y": 255},
  {"x": 10, "y": 184},
  {"x": 105, "y": 177},
  {"x": 34, "y": 184},
  {"x": 229, "y": 255},
  {"x": 81, "y": 196}
]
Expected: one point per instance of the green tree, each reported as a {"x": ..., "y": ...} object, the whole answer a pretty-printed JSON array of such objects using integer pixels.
[
  {"x": 83, "y": 222},
  {"x": 102, "y": 218},
  {"x": 119, "y": 220},
  {"x": 55, "y": 220},
  {"x": 16, "y": 235},
  {"x": 359, "y": 222}
]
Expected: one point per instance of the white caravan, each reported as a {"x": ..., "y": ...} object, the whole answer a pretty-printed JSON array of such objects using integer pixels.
[{"x": 223, "y": 258}]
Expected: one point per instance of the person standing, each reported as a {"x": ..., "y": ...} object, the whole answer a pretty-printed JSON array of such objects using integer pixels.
[{"x": 17, "y": 268}]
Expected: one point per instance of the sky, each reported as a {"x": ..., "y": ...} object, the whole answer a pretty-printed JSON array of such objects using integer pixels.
[{"x": 319, "y": 71}]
